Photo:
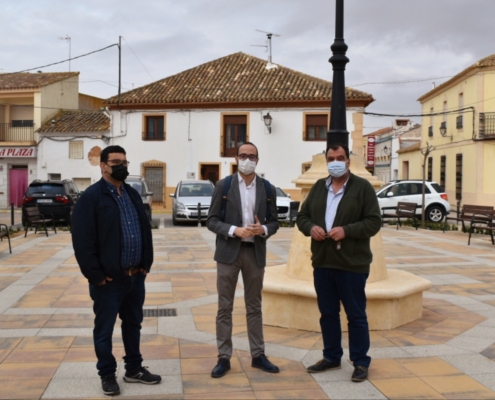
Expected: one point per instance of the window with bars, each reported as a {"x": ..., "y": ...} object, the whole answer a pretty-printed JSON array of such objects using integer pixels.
[
  {"x": 154, "y": 179},
  {"x": 235, "y": 134},
  {"x": 443, "y": 162},
  {"x": 430, "y": 169},
  {"x": 458, "y": 177},
  {"x": 154, "y": 127},
  {"x": 316, "y": 126},
  {"x": 76, "y": 149}
]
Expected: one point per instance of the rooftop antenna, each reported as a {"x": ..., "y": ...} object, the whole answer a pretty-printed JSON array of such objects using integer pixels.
[
  {"x": 268, "y": 47},
  {"x": 67, "y": 38}
]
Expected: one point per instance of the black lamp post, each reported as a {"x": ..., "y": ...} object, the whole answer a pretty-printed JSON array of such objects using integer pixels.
[{"x": 338, "y": 125}]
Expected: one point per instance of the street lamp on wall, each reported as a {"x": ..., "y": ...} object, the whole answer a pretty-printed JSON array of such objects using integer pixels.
[
  {"x": 443, "y": 130},
  {"x": 268, "y": 122}
]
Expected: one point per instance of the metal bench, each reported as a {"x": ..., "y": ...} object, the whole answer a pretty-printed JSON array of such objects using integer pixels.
[
  {"x": 484, "y": 222},
  {"x": 34, "y": 218},
  {"x": 5, "y": 233},
  {"x": 403, "y": 210},
  {"x": 467, "y": 213}
]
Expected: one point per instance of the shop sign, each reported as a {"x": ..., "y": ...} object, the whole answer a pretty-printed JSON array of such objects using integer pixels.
[
  {"x": 370, "y": 156},
  {"x": 23, "y": 152}
]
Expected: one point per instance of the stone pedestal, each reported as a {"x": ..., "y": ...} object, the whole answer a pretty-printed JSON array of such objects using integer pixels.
[{"x": 289, "y": 299}]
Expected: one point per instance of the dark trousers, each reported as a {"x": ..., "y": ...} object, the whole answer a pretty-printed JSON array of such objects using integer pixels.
[
  {"x": 125, "y": 298},
  {"x": 332, "y": 287}
]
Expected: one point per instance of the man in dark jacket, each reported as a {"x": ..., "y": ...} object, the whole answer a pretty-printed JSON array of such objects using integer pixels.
[
  {"x": 341, "y": 214},
  {"x": 112, "y": 241}
]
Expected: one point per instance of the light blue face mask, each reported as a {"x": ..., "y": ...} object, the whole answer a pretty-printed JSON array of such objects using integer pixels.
[{"x": 337, "y": 168}]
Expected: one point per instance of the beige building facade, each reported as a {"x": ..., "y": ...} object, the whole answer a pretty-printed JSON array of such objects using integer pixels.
[{"x": 459, "y": 123}]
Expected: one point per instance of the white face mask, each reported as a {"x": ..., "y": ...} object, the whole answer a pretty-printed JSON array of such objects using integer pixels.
[
  {"x": 246, "y": 166},
  {"x": 337, "y": 168}
]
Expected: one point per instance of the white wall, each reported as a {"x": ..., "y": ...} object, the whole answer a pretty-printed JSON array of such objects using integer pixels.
[
  {"x": 194, "y": 137},
  {"x": 53, "y": 158}
]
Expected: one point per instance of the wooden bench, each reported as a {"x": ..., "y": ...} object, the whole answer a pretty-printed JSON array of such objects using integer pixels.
[
  {"x": 467, "y": 213},
  {"x": 5, "y": 233},
  {"x": 34, "y": 218},
  {"x": 403, "y": 210},
  {"x": 482, "y": 221}
]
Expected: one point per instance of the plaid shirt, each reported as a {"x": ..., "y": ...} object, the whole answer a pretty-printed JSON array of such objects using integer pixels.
[{"x": 132, "y": 243}]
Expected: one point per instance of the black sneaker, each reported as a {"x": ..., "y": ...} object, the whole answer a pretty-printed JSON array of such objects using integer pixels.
[
  {"x": 110, "y": 386},
  {"x": 360, "y": 374},
  {"x": 323, "y": 365},
  {"x": 142, "y": 375}
]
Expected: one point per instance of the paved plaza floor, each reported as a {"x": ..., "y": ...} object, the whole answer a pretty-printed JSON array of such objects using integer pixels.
[{"x": 46, "y": 321}]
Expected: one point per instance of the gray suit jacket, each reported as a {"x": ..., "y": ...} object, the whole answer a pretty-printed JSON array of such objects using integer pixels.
[{"x": 228, "y": 247}]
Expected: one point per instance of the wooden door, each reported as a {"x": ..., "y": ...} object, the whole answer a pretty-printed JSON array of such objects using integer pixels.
[{"x": 210, "y": 172}]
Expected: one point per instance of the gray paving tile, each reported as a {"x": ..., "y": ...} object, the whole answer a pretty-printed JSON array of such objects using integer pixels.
[
  {"x": 18, "y": 332},
  {"x": 66, "y": 332},
  {"x": 388, "y": 352},
  {"x": 351, "y": 390},
  {"x": 470, "y": 343},
  {"x": 470, "y": 363},
  {"x": 75, "y": 388},
  {"x": 432, "y": 351},
  {"x": 76, "y": 370},
  {"x": 168, "y": 385},
  {"x": 485, "y": 379}
]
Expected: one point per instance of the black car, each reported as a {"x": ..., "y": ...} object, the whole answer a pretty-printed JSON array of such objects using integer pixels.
[{"x": 51, "y": 197}]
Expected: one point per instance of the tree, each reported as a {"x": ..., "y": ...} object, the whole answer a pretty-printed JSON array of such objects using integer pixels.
[{"x": 426, "y": 152}]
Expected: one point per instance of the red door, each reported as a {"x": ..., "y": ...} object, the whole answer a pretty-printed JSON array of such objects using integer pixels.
[{"x": 18, "y": 185}]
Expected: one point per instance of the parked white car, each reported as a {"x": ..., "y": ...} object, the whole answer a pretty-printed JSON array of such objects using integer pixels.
[
  {"x": 436, "y": 200},
  {"x": 283, "y": 205},
  {"x": 187, "y": 196}
]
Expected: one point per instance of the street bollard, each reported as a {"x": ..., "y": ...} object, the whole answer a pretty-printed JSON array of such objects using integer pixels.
[
  {"x": 12, "y": 222},
  {"x": 199, "y": 214}
]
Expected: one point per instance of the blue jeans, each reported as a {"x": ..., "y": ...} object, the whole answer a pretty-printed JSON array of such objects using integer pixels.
[
  {"x": 332, "y": 287},
  {"x": 125, "y": 298}
]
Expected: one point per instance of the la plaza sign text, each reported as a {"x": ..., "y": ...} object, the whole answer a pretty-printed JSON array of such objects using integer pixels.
[{"x": 10, "y": 152}]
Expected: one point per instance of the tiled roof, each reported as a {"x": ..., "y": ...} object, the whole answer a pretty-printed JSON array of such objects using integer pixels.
[
  {"x": 413, "y": 147},
  {"x": 26, "y": 80},
  {"x": 381, "y": 131},
  {"x": 77, "y": 121},
  {"x": 483, "y": 63},
  {"x": 237, "y": 78}
]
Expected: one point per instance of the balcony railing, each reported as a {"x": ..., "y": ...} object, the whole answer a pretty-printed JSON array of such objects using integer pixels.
[
  {"x": 11, "y": 133},
  {"x": 487, "y": 124}
]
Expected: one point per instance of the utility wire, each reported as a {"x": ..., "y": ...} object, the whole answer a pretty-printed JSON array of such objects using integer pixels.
[
  {"x": 399, "y": 82},
  {"x": 60, "y": 62},
  {"x": 138, "y": 58}
]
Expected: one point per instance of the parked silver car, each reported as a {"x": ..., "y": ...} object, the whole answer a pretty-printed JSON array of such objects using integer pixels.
[
  {"x": 283, "y": 205},
  {"x": 139, "y": 183},
  {"x": 187, "y": 196}
]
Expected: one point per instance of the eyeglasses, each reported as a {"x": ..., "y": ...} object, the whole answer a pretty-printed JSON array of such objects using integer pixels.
[
  {"x": 251, "y": 157},
  {"x": 125, "y": 163}
]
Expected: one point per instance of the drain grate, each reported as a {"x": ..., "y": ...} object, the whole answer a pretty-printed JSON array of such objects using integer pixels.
[{"x": 160, "y": 312}]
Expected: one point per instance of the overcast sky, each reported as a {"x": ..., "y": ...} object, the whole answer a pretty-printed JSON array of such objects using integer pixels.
[{"x": 389, "y": 40}]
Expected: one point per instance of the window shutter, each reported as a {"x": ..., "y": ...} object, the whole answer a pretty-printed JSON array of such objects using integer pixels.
[
  {"x": 76, "y": 149},
  {"x": 316, "y": 120}
]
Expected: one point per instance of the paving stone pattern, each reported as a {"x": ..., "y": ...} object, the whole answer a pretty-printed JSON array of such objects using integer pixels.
[{"x": 46, "y": 321}]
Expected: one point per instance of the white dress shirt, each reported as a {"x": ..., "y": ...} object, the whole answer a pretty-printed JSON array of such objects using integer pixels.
[
  {"x": 333, "y": 200},
  {"x": 248, "y": 203}
]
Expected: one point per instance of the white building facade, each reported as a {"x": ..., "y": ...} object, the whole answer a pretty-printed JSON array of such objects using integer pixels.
[{"x": 190, "y": 125}]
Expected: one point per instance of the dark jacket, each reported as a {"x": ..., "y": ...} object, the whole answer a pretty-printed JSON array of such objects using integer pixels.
[
  {"x": 97, "y": 232},
  {"x": 358, "y": 213},
  {"x": 227, "y": 247}
]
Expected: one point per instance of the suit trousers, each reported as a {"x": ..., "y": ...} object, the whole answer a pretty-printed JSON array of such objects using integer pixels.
[{"x": 252, "y": 276}]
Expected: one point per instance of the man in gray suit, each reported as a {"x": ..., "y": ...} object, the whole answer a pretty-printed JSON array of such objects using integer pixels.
[{"x": 241, "y": 247}]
